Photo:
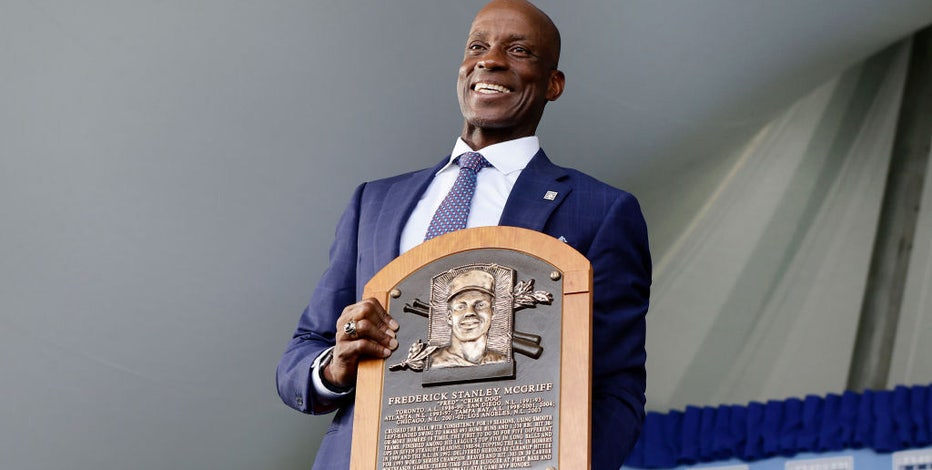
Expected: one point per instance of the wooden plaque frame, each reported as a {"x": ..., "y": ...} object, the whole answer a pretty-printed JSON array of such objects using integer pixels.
[{"x": 575, "y": 405}]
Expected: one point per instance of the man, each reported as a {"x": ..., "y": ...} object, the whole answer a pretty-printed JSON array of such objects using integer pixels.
[
  {"x": 469, "y": 314},
  {"x": 508, "y": 74}
]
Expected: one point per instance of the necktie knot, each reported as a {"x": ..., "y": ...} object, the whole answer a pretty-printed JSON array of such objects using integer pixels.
[{"x": 474, "y": 161}]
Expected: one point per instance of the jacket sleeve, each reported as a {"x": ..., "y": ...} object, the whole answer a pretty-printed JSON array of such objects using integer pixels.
[
  {"x": 317, "y": 327},
  {"x": 620, "y": 258}
]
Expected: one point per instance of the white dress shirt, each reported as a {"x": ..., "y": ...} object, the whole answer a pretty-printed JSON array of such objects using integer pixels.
[{"x": 493, "y": 185}]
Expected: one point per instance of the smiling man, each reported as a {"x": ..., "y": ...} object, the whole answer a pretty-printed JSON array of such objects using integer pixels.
[
  {"x": 509, "y": 73},
  {"x": 497, "y": 174}
]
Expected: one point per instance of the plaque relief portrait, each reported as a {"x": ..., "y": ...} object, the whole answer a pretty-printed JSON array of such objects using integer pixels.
[
  {"x": 471, "y": 323},
  {"x": 471, "y": 335},
  {"x": 469, "y": 316}
]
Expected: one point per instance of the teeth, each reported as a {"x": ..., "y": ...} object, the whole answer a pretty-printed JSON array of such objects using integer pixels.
[{"x": 488, "y": 88}]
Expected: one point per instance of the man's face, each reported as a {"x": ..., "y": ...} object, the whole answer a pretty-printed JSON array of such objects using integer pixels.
[
  {"x": 470, "y": 315},
  {"x": 509, "y": 70}
]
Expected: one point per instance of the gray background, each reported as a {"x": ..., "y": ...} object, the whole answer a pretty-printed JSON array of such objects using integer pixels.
[{"x": 171, "y": 173}]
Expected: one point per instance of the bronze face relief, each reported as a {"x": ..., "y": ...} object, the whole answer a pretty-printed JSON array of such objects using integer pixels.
[{"x": 471, "y": 332}]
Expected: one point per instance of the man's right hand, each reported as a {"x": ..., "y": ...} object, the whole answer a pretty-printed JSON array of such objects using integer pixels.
[{"x": 375, "y": 337}]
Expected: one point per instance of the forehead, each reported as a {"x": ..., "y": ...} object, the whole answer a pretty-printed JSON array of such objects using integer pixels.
[
  {"x": 508, "y": 22},
  {"x": 470, "y": 295}
]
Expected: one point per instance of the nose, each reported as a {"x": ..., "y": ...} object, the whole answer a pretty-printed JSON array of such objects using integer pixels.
[{"x": 493, "y": 59}]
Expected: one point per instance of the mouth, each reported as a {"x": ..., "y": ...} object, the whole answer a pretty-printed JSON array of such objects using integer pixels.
[
  {"x": 486, "y": 88},
  {"x": 469, "y": 324}
]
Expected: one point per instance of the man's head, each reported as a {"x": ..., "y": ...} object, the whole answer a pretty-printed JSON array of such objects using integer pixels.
[
  {"x": 469, "y": 305},
  {"x": 509, "y": 72}
]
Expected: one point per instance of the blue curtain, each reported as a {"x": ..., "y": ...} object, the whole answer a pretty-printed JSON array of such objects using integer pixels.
[{"x": 884, "y": 421}]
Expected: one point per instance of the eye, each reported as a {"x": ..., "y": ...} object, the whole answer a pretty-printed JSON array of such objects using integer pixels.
[
  {"x": 475, "y": 46},
  {"x": 481, "y": 305},
  {"x": 459, "y": 306},
  {"x": 520, "y": 50}
]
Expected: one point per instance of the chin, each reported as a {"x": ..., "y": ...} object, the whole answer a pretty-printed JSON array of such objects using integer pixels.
[{"x": 490, "y": 122}]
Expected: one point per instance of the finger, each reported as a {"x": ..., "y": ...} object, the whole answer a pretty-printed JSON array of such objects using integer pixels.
[
  {"x": 372, "y": 310},
  {"x": 392, "y": 324},
  {"x": 350, "y": 352},
  {"x": 348, "y": 331},
  {"x": 386, "y": 319},
  {"x": 341, "y": 371},
  {"x": 354, "y": 313},
  {"x": 366, "y": 329}
]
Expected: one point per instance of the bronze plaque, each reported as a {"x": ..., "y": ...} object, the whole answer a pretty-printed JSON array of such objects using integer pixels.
[{"x": 476, "y": 379}]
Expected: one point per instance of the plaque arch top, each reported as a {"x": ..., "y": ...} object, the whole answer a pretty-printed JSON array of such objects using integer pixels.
[{"x": 575, "y": 268}]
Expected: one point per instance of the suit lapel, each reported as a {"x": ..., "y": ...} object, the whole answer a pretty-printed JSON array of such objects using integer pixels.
[
  {"x": 528, "y": 205},
  {"x": 537, "y": 192},
  {"x": 400, "y": 200}
]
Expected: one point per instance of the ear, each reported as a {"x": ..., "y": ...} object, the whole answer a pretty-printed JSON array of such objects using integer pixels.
[{"x": 556, "y": 84}]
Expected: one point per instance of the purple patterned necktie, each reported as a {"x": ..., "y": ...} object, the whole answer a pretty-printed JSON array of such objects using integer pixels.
[{"x": 454, "y": 210}]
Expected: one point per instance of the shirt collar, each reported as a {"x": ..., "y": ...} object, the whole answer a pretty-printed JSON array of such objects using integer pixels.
[{"x": 506, "y": 157}]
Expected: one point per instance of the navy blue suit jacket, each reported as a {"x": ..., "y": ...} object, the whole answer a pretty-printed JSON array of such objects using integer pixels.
[{"x": 601, "y": 222}]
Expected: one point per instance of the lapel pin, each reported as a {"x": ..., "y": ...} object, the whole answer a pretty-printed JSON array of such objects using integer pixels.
[{"x": 550, "y": 195}]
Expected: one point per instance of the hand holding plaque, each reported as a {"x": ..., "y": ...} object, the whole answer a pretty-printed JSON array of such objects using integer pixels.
[{"x": 364, "y": 329}]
